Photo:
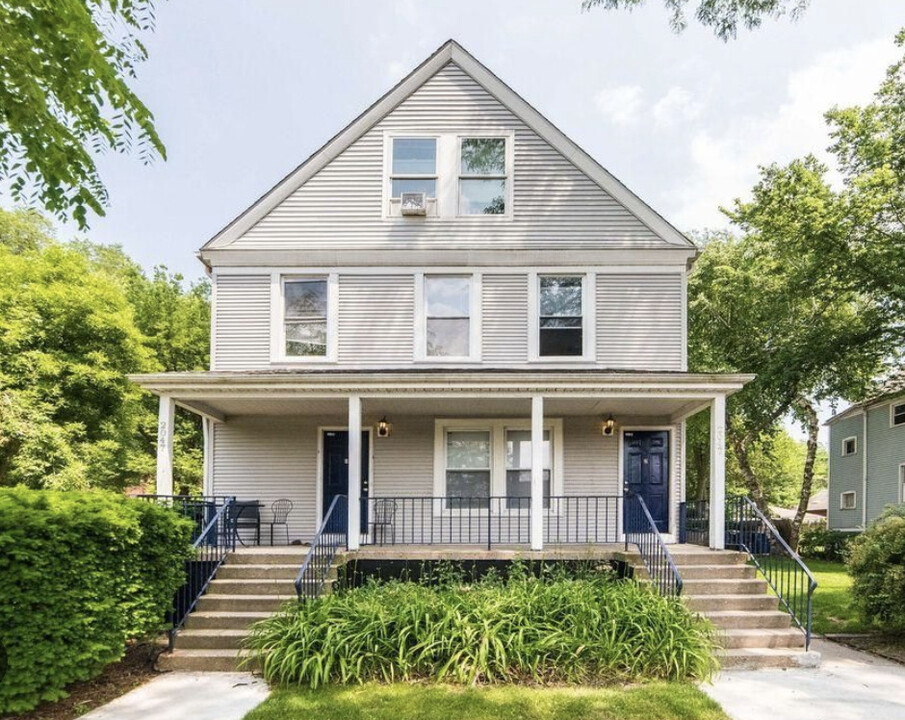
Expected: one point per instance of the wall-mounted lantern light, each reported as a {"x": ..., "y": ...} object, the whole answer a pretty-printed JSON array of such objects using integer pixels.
[
  {"x": 384, "y": 428},
  {"x": 608, "y": 427}
]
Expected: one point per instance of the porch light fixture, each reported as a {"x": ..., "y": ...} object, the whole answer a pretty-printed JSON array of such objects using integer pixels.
[
  {"x": 608, "y": 427},
  {"x": 384, "y": 428}
]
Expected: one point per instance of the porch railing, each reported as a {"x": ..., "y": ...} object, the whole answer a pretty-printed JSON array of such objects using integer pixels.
[
  {"x": 694, "y": 522},
  {"x": 641, "y": 531},
  {"x": 748, "y": 530},
  {"x": 330, "y": 536},
  {"x": 213, "y": 538},
  {"x": 488, "y": 521}
]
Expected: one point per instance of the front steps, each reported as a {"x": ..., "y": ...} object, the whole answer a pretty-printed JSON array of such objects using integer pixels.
[
  {"x": 754, "y": 632},
  {"x": 252, "y": 584}
]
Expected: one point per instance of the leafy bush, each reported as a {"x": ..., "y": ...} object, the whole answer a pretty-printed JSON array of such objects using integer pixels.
[
  {"x": 877, "y": 565},
  {"x": 821, "y": 543},
  {"x": 549, "y": 629},
  {"x": 81, "y": 574}
]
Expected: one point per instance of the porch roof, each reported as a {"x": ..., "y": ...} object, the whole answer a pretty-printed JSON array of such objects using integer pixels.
[{"x": 218, "y": 394}]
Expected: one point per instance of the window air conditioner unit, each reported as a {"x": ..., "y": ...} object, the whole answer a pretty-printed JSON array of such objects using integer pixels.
[{"x": 414, "y": 203}]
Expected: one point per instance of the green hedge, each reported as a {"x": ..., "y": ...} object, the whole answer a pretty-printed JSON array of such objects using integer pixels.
[
  {"x": 82, "y": 573},
  {"x": 523, "y": 629},
  {"x": 876, "y": 563},
  {"x": 821, "y": 543}
]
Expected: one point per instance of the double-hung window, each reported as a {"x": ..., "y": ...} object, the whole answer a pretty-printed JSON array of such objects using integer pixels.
[
  {"x": 447, "y": 313},
  {"x": 305, "y": 317},
  {"x": 468, "y": 462},
  {"x": 847, "y": 500},
  {"x": 561, "y": 316},
  {"x": 414, "y": 167},
  {"x": 518, "y": 469},
  {"x": 849, "y": 446},
  {"x": 897, "y": 414},
  {"x": 482, "y": 176}
]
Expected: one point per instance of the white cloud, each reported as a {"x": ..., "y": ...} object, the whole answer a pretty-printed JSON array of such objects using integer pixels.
[
  {"x": 676, "y": 105},
  {"x": 620, "y": 105},
  {"x": 724, "y": 162}
]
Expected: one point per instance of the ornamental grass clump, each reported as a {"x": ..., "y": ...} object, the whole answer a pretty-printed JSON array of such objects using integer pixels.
[{"x": 587, "y": 629}]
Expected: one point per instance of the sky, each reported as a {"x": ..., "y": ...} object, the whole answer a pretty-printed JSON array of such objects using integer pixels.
[{"x": 243, "y": 91}]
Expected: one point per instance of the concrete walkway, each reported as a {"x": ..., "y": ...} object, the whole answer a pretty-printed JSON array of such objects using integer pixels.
[
  {"x": 848, "y": 685},
  {"x": 199, "y": 696}
]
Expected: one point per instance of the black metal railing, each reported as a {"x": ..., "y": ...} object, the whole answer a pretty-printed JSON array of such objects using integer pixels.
[
  {"x": 488, "y": 521},
  {"x": 694, "y": 522},
  {"x": 748, "y": 530},
  {"x": 331, "y": 536},
  {"x": 641, "y": 531}
]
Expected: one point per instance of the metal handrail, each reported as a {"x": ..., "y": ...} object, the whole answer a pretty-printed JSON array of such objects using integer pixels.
[
  {"x": 651, "y": 546},
  {"x": 331, "y": 535},
  {"x": 749, "y": 530}
]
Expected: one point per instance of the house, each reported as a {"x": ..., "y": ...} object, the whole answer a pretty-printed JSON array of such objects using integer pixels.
[
  {"x": 451, "y": 328},
  {"x": 867, "y": 457}
]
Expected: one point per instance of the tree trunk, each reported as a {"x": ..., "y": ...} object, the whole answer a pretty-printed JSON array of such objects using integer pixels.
[
  {"x": 755, "y": 488},
  {"x": 807, "y": 479}
]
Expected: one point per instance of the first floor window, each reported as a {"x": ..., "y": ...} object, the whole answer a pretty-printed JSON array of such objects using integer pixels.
[
  {"x": 305, "y": 317},
  {"x": 847, "y": 500},
  {"x": 518, "y": 469},
  {"x": 898, "y": 414},
  {"x": 467, "y": 468},
  {"x": 447, "y": 306},
  {"x": 561, "y": 316}
]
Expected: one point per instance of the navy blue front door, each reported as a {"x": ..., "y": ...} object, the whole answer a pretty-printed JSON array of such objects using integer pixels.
[
  {"x": 646, "y": 467},
  {"x": 336, "y": 471}
]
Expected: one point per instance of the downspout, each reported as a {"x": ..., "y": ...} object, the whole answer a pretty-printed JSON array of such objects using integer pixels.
[{"x": 864, "y": 470}]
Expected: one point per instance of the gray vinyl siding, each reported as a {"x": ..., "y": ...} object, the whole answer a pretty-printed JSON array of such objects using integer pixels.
[
  {"x": 553, "y": 202},
  {"x": 376, "y": 318},
  {"x": 886, "y": 451},
  {"x": 505, "y": 319},
  {"x": 846, "y": 474},
  {"x": 241, "y": 322},
  {"x": 639, "y": 321}
]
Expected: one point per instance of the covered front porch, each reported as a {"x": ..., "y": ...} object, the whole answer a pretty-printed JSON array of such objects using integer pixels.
[{"x": 480, "y": 459}]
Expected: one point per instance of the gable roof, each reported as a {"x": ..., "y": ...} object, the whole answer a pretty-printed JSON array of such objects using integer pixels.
[
  {"x": 889, "y": 389},
  {"x": 450, "y": 51}
]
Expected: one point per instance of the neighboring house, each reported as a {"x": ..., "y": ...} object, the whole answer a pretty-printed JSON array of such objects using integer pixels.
[
  {"x": 456, "y": 306},
  {"x": 816, "y": 509},
  {"x": 867, "y": 457}
]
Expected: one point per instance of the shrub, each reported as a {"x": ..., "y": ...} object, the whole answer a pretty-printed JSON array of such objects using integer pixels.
[
  {"x": 877, "y": 565},
  {"x": 821, "y": 543},
  {"x": 81, "y": 574},
  {"x": 548, "y": 629}
]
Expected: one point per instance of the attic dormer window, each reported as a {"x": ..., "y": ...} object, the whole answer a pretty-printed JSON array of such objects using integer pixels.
[
  {"x": 482, "y": 176},
  {"x": 414, "y": 167}
]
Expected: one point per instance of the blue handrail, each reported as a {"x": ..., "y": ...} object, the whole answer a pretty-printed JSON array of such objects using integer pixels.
[
  {"x": 331, "y": 535},
  {"x": 641, "y": 530}
]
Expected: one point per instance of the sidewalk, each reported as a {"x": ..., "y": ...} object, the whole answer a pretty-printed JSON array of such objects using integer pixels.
[
  {"x": 199, "y": 696},
  {"x": 848, "y": 685}
]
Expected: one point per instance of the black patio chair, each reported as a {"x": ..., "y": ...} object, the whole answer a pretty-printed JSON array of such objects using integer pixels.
[
  {"x": 280, "y": 510},
  {"x": 384, "y": 520},
  {"x": 246, "y": 515}
]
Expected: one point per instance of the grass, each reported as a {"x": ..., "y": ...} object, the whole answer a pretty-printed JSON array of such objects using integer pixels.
[
  {"x": 653, "y": 701},
  {"x": 834, "y": 610}
]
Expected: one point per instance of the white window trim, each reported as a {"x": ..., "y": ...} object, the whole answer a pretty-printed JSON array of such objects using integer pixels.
[
  {"x": 509, "y": 137},
  {"x": 474, "y": 320},
  {"x": 278, "y": 326},
  {"x": 588, "y": 318},
  {"x": 844, "y": 441},
  {"x": 892, "y": 407},
  {"x": 391, "y": 207},
  {"x": 497, "y": 429},
  {"x": 842, "y": 496}
]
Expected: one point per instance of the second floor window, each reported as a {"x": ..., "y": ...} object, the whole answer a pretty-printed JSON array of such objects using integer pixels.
[
  {"x": 414, "y": 167},
  {"x": 305, "y": 317},
  {"x": 561, "y": 316},
  {"x": 482, "y": 176},
  {"x": 898, "y": 414},
  {"x": 447, "y": 312}
]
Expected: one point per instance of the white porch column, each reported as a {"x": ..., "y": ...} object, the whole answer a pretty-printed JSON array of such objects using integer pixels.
[
  {"x": 207, "y": 487},
  {"x": 537, "y": 472},
  {"x": 718, "y": 472},
  {"x": 354, "y": 472},
  {"x": 165, "y": 418}
]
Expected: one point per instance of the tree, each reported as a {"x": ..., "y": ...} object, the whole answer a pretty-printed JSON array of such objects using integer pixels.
[
  {"x": 723, "y": 16},
  {"x": 64, "y": 95}
]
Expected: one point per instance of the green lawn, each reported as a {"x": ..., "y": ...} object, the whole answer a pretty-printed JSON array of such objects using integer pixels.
[
  {"x": 834, "y": 611},
  {"x": 654, "y": 701}
]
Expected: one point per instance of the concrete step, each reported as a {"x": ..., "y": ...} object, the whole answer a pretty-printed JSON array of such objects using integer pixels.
[
  {"x": 720, "y": 586},
  {"x": 243, "y": 603},
  {"x": 712, "y": 572},
  {"x": 251, "y": 587},
  {"x": 762, "y": 638},
  {"x": 756, "y": 658},
  {"x": 682, "y": 556},
  {"x": 219, "y": 639},
  {"x": 223, "y": 620},
  {"x": 749, "y": 619},
  {"x": 708, "y": 603},
  {"x": 258, "y": 572},
  {"x": 205, "y": 661},
  {"x": 267, "y": 557}
]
